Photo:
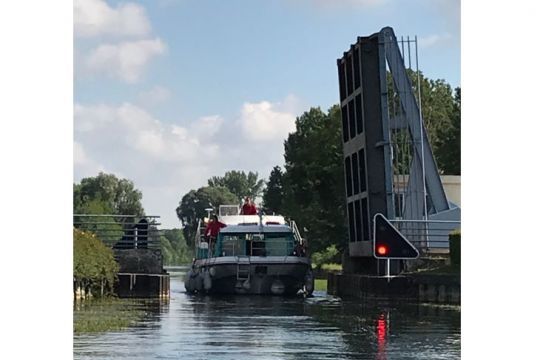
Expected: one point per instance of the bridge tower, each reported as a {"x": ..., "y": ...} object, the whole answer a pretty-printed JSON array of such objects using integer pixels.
[{"x": 388, "y": 163}]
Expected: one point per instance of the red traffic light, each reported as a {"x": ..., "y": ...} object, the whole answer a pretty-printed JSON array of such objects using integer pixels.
[{"x": 389, "y": 243}]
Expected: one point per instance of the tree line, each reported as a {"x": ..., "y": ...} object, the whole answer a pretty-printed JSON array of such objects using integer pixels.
[
  {"x": 105, "y": 194},
  {"x": 228, "y": 189},
  {"x": 310, "y": 186}
]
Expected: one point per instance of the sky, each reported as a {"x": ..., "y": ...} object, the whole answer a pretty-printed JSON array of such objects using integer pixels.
[{"x": 168, "y": 93}]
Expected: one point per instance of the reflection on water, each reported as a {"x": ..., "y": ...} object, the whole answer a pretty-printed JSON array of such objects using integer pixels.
[{"x": 262, "y": 327}]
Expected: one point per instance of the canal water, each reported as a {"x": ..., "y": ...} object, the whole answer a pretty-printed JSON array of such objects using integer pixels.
[{"x": 260, "y": 327}]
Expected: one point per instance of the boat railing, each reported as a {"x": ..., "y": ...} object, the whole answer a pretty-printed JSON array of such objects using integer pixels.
[
  {"x": 202, "y": 247},
  {"x": 296, "y": 233},
  {"x": 198, "y": 235}
]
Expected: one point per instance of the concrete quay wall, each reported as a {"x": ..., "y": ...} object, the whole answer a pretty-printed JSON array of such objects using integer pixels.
[{"x": 442, "y": 289}]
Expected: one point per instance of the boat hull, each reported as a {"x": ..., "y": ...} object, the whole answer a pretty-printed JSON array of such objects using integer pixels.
[{"x": 251, "y": 275}]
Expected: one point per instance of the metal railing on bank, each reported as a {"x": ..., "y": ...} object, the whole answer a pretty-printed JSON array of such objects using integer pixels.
[
  {"x": 122, "y": 231},
  {"x": 428, "y": 236}
]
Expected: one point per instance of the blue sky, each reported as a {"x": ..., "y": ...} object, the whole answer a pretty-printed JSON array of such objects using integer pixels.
[{"x": 170, "y": 92}]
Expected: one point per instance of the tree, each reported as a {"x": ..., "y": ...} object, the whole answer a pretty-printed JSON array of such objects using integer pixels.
[
  {"x": 313, "y": 183},
  {"x": 108, "y": 227},
  {"x": 441, "y": 115},
  {"x": 114, "y": 196},
  {"x": 326, "y": 256},
  {"x": 273, "y": 193},
  {"x": 174, "y": 248},
  {"x": 106, "y": 194},
  {"x": 193, "y": 204},
  {"x": 94, "y": 266},
  {"x": 239, "y": 183},
  {"x": 449, "y": 141}
]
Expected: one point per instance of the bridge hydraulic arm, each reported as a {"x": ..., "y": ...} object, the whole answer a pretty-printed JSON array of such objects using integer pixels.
[{"x": 389, "y": 46}]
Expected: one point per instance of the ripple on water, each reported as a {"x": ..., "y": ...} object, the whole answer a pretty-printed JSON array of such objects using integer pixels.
[{"x": 259, "y": 327}]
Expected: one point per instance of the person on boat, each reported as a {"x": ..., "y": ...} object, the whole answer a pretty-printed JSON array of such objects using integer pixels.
[
  {"x": 212, "y": 230},
  {"x": 249, "y": 207},
  {"x": 299, "y": 250}
]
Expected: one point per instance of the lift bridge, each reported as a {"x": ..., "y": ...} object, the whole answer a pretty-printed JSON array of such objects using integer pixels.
[{"x": 389, "y": 166}]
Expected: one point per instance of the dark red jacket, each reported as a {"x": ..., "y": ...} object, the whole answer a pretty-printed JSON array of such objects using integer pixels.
[
  {"x": 249, "y": 209},
  {"x": 213, "y": 228}
]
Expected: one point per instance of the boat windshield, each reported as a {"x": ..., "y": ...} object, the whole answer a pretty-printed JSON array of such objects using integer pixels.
[{"x": 263, "y": 244}]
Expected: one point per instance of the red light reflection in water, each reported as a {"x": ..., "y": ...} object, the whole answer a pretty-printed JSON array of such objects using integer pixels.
[{"x": 381, "y": 337}]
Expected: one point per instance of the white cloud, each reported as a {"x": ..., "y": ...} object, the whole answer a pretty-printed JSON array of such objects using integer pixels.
[
  {"x": 164, "y": 160},
  {"x": 208, "y": 126},
  {"x": 85, "y": 166},
  {"x": 128, "y": 130},
  {"x": 95, "y": 18},
  {"x": 125, "y": 60},
  {"x": 433, "y": 40},
  {"x": 79, "y": 156},
  {"x": 115, "y": 42},
  {"x": 264, "y": 121}
]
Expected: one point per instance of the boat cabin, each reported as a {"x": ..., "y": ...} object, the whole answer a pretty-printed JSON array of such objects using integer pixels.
[
  {"x": 250, "y": 235},
  {"x": 255, "y": 240}
]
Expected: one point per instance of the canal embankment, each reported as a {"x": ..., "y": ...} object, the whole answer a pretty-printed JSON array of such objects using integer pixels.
[
  {"x": 442, "y": 287},
  {"x": 429, "y": 280}
]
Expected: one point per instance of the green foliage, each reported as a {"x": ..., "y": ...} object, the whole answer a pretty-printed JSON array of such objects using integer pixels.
[
  {"x": 106, "y": 226},
  {"x": 441, "y": 112},
  {"x": 449, "y": 140},
  {"x": 193, "y": 204},
  {"x": 325, "y": 256},
  {"x": 94, "y": 266},
  {"x": 174, "y": 248},
  {"x": 313, "y": 184},
  {"x": 332, "y": 267},
  {"x": 455, "y": 248},
  {"x": 239, "y": 183},
  {"x": 273, "y": 193},
  {"x": 106, "y": 193}
]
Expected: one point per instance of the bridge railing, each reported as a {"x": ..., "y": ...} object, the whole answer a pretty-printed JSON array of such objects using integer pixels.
[
  {"x": 122, "y": 231},
  {"x": 428, "y": 236}
]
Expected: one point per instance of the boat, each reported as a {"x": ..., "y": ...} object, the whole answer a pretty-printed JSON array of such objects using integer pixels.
[{"x": 254, "y": 254}]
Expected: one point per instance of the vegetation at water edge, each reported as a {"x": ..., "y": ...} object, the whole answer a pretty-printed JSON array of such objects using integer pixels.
[
  {"x": 94, "y": 267},
  {"x": 108, "y": 314}
]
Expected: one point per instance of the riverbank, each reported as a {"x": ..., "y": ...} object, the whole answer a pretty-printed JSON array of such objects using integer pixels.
[
  {"x": 321, "y": 284},
  {"x": 441, "y": 285},
  {"x": 107, "y": 314}
]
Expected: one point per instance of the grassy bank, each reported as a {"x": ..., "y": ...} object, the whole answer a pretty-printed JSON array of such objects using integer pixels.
[
  {"x": 321, "y": 284},
  {"x": 108, "y": 314}
]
